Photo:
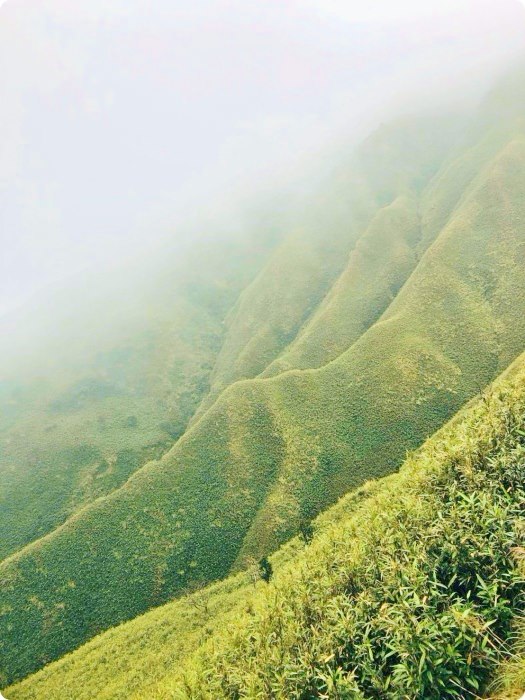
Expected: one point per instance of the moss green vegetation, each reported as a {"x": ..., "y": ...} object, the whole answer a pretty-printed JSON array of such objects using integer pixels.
[
  {"x": 411, "y": 588},
  {"x": 121, "y": 661},
  {"x": 333, "y": 360},
  {"x": 378, "y": 266},
  {"x": 119, "y": 382},
  {"x": 386, "y": 255}
]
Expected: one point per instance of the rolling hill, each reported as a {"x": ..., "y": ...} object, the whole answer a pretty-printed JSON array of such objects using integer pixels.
[
  {"x": 99, "y": 389},
  {"x": 288, "y": 371},
  {"x": 412, "y": 585}
]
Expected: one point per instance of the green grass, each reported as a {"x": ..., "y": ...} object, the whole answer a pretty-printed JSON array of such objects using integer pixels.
[
  {"x": 378, "y": 266},
  {"x": 413, "y": 596},
  {"x": 123, "y": 659},
  {"x": 509, "y": 680},
  {"x": 410, "y": 589},
  {"x": 417, "y": 331},
  {"x": 328, "y": 238},
  {"x": 386, "y": 255}
]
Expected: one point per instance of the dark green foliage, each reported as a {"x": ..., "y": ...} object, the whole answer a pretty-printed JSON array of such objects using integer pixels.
[
  {"x": 306, "y": 531},
  {"x": 265, "y": 569},
  {"x": 172, "y": 429},
  {"x": 131, "y": 422}
]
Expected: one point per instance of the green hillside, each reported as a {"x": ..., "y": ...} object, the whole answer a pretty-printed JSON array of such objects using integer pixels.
[
  {"x": 85, "y": 439},
  {"x": 411, "y": 588},
  {"x": 416, "y": 330},
  {"x": 387, "y": 253},
  {"x": 327, "y": 233},
  {"x": 306, "y": 357},
  {"x": 114, "y": 386}
]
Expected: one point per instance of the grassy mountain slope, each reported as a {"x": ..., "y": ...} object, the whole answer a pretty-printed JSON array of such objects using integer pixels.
[
  {"x": 94, "y": 407},
  {"x": 409, "y": 589},
  {"x": 386, "y": 255},
  {"x": 379, "y": 265},
  {"x": 113, "y": 387},
  {"x": 273, "y": 451},
  {"x": 85, "y": 440},
  {"x": 285, "y": 296},
  {"x": 414, "y": 595},
  {"x": 443, "y": 335},
  {"x": 272, "y": 309}
]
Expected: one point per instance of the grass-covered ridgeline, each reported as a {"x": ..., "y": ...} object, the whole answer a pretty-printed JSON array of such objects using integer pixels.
[
  {"x": 388, "y": 252},
  {"x": 392, "y": 167},
  {"x": 274, "y": 451},
  {"x": 454, "y": 326},
  {"x": 412, "y": 588}
]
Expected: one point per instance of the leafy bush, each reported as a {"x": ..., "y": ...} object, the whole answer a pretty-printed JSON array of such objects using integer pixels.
[{"x": 265, "y": 569}]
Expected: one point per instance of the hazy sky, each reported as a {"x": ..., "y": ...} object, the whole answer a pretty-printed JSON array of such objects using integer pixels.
[{"x": 122, "y": 119}]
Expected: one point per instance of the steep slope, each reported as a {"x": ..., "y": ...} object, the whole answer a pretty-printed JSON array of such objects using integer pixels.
[
  {"x": 379, "y": 265},
  {"x": 414, "y": 595},
  {"x": 133, "y": 360},
  {"x": 398, "y": 571},
  {"x": 387, "y": 254},
  {"x": 271, "y": 452},
  {"x": 105, "y": 378},
  {"x": 456, "y": 324},
  {"x": 285, "y": 296}
]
